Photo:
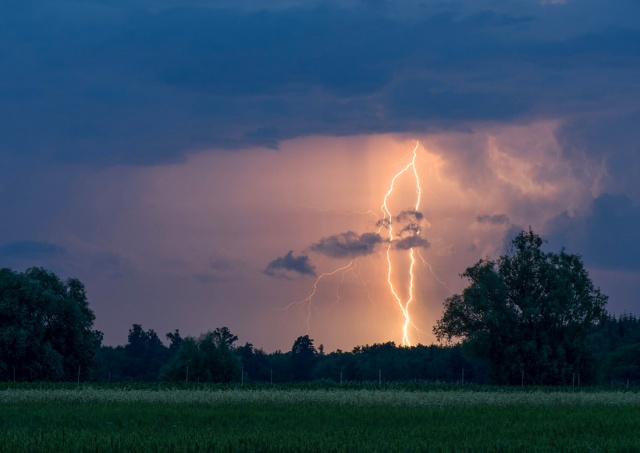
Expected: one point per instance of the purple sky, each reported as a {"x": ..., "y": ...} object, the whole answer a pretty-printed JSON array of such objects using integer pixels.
[{"x": 198, "y": 164}]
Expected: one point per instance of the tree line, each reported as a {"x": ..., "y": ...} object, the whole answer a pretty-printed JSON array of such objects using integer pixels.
[
  {"x": 529, "y": 317},
  {"x": 216, "y": 357}
]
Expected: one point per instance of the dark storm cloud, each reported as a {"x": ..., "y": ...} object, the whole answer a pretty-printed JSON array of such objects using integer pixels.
[
  {"x": 409, "y": 221},
  {"x": 419, "y": 100},
  {"x": 614, "y": 137},
  {"x": 607, "y": 236},
  {"x": 411, "y": 224},
  {"x": 408, "y": 226},
  {"x": 348, "y": 244},
  {"x": 410, "y": 242},
  {"x": 31, "y": 250},
  {"x": 289, "y": 263},
  {"x": 496, "y": 219},
  {"x": 409, "y": 214},
  {"x": 144, "y": 82}
]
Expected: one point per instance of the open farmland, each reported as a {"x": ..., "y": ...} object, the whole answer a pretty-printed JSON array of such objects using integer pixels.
[{"x": 317, "y": 419}]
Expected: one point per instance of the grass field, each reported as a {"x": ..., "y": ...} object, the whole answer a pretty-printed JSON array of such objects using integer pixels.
[{"x": 308, "y": 418}]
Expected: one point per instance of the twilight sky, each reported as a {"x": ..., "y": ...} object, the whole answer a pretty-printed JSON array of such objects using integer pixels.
[{"x": 200, "y": 164}]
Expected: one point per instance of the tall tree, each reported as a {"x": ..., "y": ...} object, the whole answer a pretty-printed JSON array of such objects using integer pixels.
[
  {"x": 45, "y": 327},
  {"x": 255, "y": 363},
  {"x": 175, "y": 340},
  {"x": 223, "y": 337},
  {"x": 303, "y": 358},
  {"x": 529, "y": 313},
  {"x": 145, "y": 354}
]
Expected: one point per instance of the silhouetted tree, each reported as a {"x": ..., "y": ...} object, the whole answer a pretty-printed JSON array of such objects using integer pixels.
[
  {"x": 145, "y": 354},
  {"x": 303, "y": 358},
  {"x": 45, "y": 327},
  {"x": 209, "y": 358},
  {"x": 175, "y": 340},
  {"x": 255, "y": 363},
  {"x": 615, "y": 342},
  {"x": 223, "y": 337},
  {"x": 529, "y": 311},
  {"x": 280, "y": 366}
]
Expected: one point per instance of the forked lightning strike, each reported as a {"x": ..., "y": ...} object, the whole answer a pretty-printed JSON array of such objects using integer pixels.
[
  {"x": 388, "y": 220},
  {"x": 307, "y": 301},
  {"x": 391, "y": 240}
]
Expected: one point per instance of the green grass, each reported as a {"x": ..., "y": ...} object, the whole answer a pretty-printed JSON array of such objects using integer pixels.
[{"x": 312, "y": 419}]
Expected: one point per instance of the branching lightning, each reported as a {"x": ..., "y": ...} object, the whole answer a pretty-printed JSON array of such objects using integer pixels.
[
  {"x": 398, "y": 236},
  {"x": 307, "y": 302},
  {"x": 388, "y": 221}
]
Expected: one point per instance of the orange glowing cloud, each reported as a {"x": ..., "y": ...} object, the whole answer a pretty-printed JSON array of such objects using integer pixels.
[{"x": 320, "y": 198}]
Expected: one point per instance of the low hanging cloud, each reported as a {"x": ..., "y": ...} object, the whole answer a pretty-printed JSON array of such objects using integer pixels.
[
  {"x": 497, "y": 219},
  {"x": 408, "y": 227},
  {"x": 348, "y": 244},
  {"x": 409, "y": 220},
  {"x": 410, "y": 242},
  {"x": 280, "y": 266},
  {"x": 410, "y": 223}
]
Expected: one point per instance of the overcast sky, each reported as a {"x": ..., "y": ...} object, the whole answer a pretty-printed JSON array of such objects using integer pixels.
[{"x": 200, "y": 164}]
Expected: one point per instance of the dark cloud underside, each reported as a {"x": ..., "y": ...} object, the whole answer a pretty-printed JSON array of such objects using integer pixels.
[
  {"x": 410, "y": 242},
  {"x": 144, "y": 82},
  {"x": 348, "y": 244},
  {"x": 281, "y": 266}
]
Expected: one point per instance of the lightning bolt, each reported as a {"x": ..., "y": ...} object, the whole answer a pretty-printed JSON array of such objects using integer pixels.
[
  {"x": 307, "y": 302},
  {"x": 388, "y": 221}
]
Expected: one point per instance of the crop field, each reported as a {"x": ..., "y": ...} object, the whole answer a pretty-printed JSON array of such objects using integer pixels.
[{"x": 316, "y": 418}]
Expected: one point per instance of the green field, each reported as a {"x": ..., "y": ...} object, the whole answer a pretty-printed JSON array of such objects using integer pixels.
[{"x": 308, "y": 418}]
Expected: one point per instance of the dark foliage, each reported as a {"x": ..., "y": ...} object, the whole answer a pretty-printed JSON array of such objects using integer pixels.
[
  {"x": 46, "y": 334},
  {"x": 529, "y": 313},
  {"x": 45, "y": 327}
]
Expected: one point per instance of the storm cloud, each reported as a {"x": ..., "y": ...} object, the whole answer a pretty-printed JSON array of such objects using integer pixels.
[
  {"x": 410, "y": 242},
  {"x": 138, "y": 136},
  {"x": 280, "y": 266},
  {"x": 348, "y": 244},
  {"x": 148, "y": 82}
]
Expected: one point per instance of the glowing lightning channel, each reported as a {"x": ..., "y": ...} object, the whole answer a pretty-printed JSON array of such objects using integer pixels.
[
  {"x": 387, "y": 221},
  {"x": 404, "y": 307}
]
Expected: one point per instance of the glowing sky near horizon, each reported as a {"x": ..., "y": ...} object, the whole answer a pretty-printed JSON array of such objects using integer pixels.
[
  {"x": 169, "y": 153},
  {"x": 222, "y": 219}
]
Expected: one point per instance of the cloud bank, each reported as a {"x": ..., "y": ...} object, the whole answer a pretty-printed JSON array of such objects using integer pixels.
[{"x": 148, "y": 82}]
